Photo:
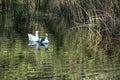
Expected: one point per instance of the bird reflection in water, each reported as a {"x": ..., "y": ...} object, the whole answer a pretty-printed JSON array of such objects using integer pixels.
[{"x": 38, "y": 44}]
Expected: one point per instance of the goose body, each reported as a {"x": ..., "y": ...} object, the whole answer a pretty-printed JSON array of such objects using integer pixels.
[
  {"x": 37, "y": 44},
  {"x": 35, "y": 40},
  {"x": 44, "y": 40},
  {"x": 33, "y": 37}
]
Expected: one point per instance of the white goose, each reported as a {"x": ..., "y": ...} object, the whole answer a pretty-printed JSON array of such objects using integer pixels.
[
  {"x": 33, "y": 37},
  {"x": 44, "y": 40}
]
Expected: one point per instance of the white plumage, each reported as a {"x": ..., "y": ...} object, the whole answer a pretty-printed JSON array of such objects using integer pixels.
[{"x": 33, "y": 37}]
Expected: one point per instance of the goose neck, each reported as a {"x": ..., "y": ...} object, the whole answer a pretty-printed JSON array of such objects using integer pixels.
[
  {"x": 46, "y": 38},
  {"x": 37, "y": 35}
]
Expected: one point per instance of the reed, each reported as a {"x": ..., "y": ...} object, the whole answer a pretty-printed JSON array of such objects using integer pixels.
[
  {"x": 84, "y": 24},
  {"x": 96, "y": 21}
]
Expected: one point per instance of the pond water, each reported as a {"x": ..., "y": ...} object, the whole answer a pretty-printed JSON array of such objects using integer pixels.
[{"x": 21, "y": 61}]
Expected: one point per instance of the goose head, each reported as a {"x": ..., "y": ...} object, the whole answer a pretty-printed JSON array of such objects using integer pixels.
[
  {"x": 46, "y": 35},
  {"x": 36, "y": 32}
]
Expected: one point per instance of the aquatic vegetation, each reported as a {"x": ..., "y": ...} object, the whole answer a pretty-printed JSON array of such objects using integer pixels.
[{"x": 84, "y": 39}]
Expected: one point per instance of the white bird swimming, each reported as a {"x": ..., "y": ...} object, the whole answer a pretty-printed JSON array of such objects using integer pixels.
[
  {"x": 35, "y": 40},
  {"x": 33, "y": 37},
  {"x": 42, "y": 40}
]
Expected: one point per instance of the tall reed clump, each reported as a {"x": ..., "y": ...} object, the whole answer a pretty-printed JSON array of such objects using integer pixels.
[
  {"x": 88, "y": 24},
  {"x": 94, "y": 25}
]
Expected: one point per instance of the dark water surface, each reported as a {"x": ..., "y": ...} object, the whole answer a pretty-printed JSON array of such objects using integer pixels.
[{"x": 20, "y": 61}]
